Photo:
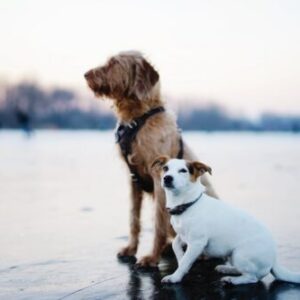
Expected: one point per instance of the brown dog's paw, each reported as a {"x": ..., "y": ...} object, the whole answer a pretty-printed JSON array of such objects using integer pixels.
[
  {"x": 147, "y": 262},
  {"x": 127, "y": 251},
  {"x": 126, "y": 255}
]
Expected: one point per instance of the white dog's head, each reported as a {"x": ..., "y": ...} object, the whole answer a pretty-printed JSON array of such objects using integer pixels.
[{"x": 178, "y": 174}]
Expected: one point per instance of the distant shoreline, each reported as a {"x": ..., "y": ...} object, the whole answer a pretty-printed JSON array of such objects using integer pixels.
[{"x": 29, "y": 106}]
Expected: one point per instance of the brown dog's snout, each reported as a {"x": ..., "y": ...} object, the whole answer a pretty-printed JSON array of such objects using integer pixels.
[{"x": 88, "y": 74}]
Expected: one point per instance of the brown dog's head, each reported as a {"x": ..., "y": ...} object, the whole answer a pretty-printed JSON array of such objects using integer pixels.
[{"x": 125, "y": 76}]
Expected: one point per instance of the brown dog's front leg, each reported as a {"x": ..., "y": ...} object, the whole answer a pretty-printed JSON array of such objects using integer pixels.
[
  {"x": 135, "y": 226},
  {"x": 161, "y": 228}
]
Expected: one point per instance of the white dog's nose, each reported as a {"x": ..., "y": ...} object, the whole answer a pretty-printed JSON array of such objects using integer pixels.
[{"x": 168, "y": 179}]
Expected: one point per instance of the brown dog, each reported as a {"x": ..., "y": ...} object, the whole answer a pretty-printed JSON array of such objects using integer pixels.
[{"x": 146, "y": 131}]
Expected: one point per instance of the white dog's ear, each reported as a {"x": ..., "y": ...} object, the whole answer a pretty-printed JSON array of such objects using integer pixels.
[
  {"x": 159, "y": 162},
  {"x": 145, "y": 78},
  {"x": 197, "y": 168}
]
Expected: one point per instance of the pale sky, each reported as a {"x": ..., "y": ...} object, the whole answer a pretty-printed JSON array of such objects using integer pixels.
[{"x": 244, "y": 54}]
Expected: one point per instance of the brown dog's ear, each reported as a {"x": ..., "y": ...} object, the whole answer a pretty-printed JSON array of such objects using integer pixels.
[
  {"x": 159, "y": 162},
  {"x": 146, "y": 78},
  {"x": 197, "y": 169}
]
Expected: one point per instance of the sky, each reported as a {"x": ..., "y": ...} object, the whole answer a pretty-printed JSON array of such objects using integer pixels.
[{"x": 244, "y": 55}]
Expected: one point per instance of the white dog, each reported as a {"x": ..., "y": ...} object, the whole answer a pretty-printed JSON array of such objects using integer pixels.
[{"x": 212, "y": 227}]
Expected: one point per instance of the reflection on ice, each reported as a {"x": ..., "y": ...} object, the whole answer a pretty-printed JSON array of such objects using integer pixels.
[{"x": 64, "y": 215}]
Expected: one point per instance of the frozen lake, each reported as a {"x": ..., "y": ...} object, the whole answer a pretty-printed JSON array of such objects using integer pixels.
[{"x": 64, "y": 214}]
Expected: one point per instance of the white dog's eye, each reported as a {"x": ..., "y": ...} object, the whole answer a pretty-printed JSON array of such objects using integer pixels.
[
  {"x": 165, "y": 169},
  {"x": 182, "y": 171}
]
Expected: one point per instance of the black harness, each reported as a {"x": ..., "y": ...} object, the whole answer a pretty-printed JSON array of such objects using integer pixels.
[
  {"x": 126, "y": 134},
  {"x": 179, "y": 209}
]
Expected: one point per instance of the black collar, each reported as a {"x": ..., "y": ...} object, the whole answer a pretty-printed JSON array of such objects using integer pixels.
[{"x": 179, "y": 209}]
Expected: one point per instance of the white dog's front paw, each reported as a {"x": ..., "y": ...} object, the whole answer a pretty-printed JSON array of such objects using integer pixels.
[
  {"x": 227, "y": 279},
  {"x": 171, "y": 279}
]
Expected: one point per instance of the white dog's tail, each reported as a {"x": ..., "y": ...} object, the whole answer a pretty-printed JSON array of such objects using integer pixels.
[{"x": 283, "y": 274}]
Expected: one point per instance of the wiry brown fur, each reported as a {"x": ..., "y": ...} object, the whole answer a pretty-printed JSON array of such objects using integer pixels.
[
  {"x": 130, "y": 81},
  {"x": 133, "y": 86}
]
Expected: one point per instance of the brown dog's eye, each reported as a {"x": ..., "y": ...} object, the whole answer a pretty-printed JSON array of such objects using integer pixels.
[
  {"x": 165, "y": 169},
  {"x": 182, "y": 171}
]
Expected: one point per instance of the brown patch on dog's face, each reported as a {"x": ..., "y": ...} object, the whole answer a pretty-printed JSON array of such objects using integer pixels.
[
  {"x": 124, "y": 76},
  {"x": 158, "y": 164},
  {"x": 197, "y": 169}
]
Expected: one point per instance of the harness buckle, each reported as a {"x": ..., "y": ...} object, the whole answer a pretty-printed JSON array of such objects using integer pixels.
[{"x": 133, "y": 177}]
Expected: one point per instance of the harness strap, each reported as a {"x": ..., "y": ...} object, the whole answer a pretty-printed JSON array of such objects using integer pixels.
[
  {"x": 180, "y": 153},
  {"x": 126, "y": 133}
]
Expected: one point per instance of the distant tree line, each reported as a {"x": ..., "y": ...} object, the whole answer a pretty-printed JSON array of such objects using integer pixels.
[
  {"x": 215, "y": 118},
  {"x": 55, "y": 108},
  {"x": 29, "y": 103}
]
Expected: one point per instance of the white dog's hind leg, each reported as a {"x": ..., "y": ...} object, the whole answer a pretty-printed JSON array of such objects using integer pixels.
[
  {"x": 243, "y": 279},
  {"x": 190, "y": 256},
  {"x": 227, "y": 269},
  {"x": 252, "y": 262},
  {"x": 177, "y": 248}
]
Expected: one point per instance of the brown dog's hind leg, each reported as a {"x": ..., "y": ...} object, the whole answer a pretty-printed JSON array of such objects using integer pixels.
[
  {"x": 161, "y": 228},
  {"x": 135, "y": 226}
]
